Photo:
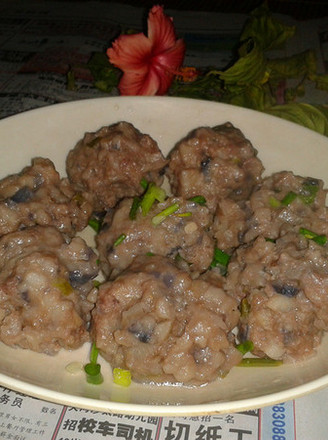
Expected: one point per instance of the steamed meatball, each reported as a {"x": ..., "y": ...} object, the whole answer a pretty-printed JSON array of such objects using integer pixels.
[
  {"x": 46, "y": 290},
  {"x": 163, "y": 326},
  {"x": 182, "y": 236},
  {"x": 110, "y": 164},
  {"x": 38, "y": 196},
  {"x": 285, "y": 202},
  {"x": 284, "y": 284},
  {"x": 216, "y": 163}
]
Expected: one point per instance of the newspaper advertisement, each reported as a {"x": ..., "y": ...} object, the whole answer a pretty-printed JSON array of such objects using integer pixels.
[{"x": 26, "y": 418}]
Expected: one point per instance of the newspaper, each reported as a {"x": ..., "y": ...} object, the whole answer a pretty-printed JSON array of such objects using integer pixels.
[
  {"x": 26, "y": 418},
  {"x": 39, "y": 43}
]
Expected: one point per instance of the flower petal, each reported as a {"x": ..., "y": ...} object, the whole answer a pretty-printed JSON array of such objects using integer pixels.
[
  {"x": 138, "y": 84},
  {"x": 130, "y": 53},
  {"x": 161, "y": 31}
]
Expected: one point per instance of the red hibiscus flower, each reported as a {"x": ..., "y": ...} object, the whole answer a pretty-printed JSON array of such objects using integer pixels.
[{"x": 149, "y": 64}]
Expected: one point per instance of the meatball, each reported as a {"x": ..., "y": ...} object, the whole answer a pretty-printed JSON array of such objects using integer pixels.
[
  {"x": 165, "y": 327},
  {"x": 285, "y": 202},
  {"x": 110, "y": 164},
  {"x": 38, "y": 196},
  {"x": 284, "y": 284},
  {"x": 183, "y": 236},
  {"x": 216, "y": 163},
  {"x": 46, "y": 290}
]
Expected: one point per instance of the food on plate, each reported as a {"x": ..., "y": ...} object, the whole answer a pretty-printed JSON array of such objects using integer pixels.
[
  {"x": 284, "y": 202},
  {"x": 162, "y": 325},
  {"x": 285, "y": 286},
  {"x": 182, "y": 235},
  {"x": 228, "y": 258},
  {"x": 46, "y": 289},
  {"x": 217, "y": 163},
  {"x": 110, "y": 163},
  {"x": 38, "y": 196}
]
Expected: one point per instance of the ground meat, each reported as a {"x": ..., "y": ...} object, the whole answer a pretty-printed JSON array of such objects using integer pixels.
[
  {"x": 230, "y": 224},
  {"x": 46, "y": 290},
  {"x": 285, "y": 286},
  {"x": 38, "y": 196},
  {"x": 287, "y": 202},
  {"x": 165, "y": 327},
  {"x": 217, "y": 163},
  {"x": 182, "y": 236},
  {"x": 110, "y": 163}
]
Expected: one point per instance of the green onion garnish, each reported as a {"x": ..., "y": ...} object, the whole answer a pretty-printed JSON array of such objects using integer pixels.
[
  {"x": 319, "y": 239},
  {"x": 153, "y": 193},
  {"x": 289, "y": 198},
  {"x": 245, "y": 308},
  {"x": 122, "y": 377},
  {"x": 198, "y": 199},
  {"x": 144, "y": 183},
  {"x": 95, "y": 224},
  {"x": 258, "y": 362},
  {"x": 150, "y": 254},
  {"x": 245, "y": 347},
  {"x": 185, "y": 214},
  {"x": 134, "y": 208},
  {"x": 92, "y": 369},
  {"x": 119, "y": 240},
  {"x": 220, "y": 259},
  {"x": 161, "y": 216},
  {"x": 309, "y": 191},
  {"x": 274, "y": 203}
]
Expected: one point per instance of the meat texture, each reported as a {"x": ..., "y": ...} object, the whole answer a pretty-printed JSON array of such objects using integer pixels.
[
  {"x": 165, "y": 327},
  {"x": 110, "y": 163},
  {"x": 285, "y": 202},
  {"x": 38, "y": 196},
  {"x": 283, "y": 285},
  {"x": 217, "y": 163},
  {"x": 46, "y": 290},
  {"x": 182, "y": 236}
]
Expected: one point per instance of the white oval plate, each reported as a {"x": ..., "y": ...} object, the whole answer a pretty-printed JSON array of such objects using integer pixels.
[{"x": 52, "y": 132}]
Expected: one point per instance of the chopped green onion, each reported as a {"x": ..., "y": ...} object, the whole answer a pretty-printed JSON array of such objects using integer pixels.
[
  {"x": 185, "y": 214},
  {"x": 122, "y": 377},
  {"x": 150, "y": 254},
  {"x": 153, "y": 193},
  {"x": 309, "y": 191},
  {"x": 270, "y": 240},
  {"x": 92, "y": 369},
  {"x": 274, "y": 203},
  {"x": 200, "y": 200},
  {"x": 259, "y": 362},
  {"x": 144, "y": 183},
  {"x": 95, "y": 224},
  {"x": 319, "y": 239},
  {"x": 220, "y": 259},
  {"x": 289, "y": 198},
  {"x": 245, "y": 308},
  {"x": 161, "y": 216},
  {"x": 134, "y": 208},
  {"x": 119, "y": 240},
  {"x": 245, "y": 347}
]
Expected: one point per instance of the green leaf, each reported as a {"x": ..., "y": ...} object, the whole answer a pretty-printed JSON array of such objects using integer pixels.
[
  {"x": 310, "y": 116},
  {"x": 269, "y": 32},
  {"x": 300, "y": 65},
  {"x": 106, "y": 76},
  {"x": 250, "y": 68}
]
